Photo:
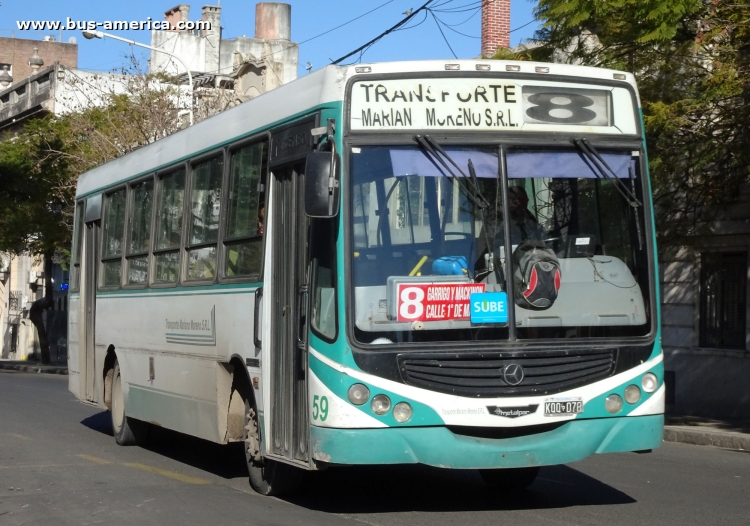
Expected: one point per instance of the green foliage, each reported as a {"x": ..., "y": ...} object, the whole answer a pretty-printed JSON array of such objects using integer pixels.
[
  {"x": 692, "y": 62},
  {"x": 35, "y": 189},
  {"x": 40, "y": 165}
]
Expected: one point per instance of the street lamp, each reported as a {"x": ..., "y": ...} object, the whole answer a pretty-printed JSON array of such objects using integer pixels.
[{"x": 101, "y": 34}]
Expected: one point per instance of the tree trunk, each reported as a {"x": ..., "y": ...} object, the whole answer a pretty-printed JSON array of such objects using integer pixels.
[{"x": 39, "y": 306}]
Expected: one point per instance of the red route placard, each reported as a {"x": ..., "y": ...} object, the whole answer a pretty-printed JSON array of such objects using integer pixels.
[{"x": 435, "y": 301}]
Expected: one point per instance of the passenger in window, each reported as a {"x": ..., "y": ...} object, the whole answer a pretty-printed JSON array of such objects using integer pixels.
[
  {"x": 523, "y": 224},
  {"x": 261, "y": 219}
]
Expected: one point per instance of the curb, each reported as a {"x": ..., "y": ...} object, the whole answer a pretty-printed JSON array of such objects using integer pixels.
[
  {"x": 723, "y": 439},
  {"x": 41, "y": 369}
]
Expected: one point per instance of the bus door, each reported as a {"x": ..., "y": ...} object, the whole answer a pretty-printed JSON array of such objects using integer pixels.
[
  {"x": 88, "y": 278},
  {"x": 289, "y": 313},
  {"x": 289, "y": 281}
]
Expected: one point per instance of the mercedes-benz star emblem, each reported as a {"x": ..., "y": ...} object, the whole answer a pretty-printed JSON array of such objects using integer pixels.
[{"x": 513, "y": 374}]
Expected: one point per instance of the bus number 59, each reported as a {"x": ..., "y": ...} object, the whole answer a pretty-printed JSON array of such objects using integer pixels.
[{"x": 322, "y": 410}]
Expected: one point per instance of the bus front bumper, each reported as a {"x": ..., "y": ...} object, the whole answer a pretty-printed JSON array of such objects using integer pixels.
[{"x": 438, "y": 446}]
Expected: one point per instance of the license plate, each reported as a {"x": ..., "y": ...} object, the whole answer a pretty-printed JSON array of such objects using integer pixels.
[{"x": 563, "y": 407}]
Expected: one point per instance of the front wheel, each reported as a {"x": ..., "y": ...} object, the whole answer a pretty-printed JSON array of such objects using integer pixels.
[
  {"x": 128, "y": 431},
  {"x": 267, "y": 477},
  {"x": 510, "y": 479}
]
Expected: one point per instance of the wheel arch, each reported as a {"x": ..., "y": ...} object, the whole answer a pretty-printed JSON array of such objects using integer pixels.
[{"x": 234, "y": 386}]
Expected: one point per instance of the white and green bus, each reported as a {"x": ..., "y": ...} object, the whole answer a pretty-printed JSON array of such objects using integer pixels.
[{"x": 451, "y": 264}]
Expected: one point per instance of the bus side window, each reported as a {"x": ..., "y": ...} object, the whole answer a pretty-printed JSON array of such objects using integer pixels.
[
  {"x": 139, "y": 234},
  {"x": 323, "y": 248},
  {"x": 243, "y": 254},
  {"x": 114, "y": 231},
  {"x": 169, "y": 227},
  {"x": 75, "y": 263},
  {"x": 205, "y": 206}
]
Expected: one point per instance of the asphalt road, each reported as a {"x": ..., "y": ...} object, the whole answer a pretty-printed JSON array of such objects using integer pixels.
[{"x": 60, "y": 465}]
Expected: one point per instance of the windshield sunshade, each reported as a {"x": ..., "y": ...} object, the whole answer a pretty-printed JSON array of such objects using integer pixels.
[{"x": 564, "y": 165}]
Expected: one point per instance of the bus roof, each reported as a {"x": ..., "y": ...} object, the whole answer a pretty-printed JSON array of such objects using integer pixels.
[{"x": 294, "y": 99}]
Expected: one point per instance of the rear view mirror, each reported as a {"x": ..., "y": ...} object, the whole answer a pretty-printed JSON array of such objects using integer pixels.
[{"x": 322, "y": 184}]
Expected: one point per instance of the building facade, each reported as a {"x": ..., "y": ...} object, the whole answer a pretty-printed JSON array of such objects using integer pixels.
[
  {"x": 15, "y": 54},
  {"x": 248, "y": 66},
  {"x": 29, "y": 90},
  {"x": 706, "y": 316}
]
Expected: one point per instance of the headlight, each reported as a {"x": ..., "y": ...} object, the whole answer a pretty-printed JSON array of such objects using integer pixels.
[
  {"x": 358, "y": 394},
  {"x": 649, "y": 382},
  {"x": 402, "y": 412},
  {"x": 632, "y": 394},
  {"x": 613, "y": 404},
  {"x": 380, "y": 404}
]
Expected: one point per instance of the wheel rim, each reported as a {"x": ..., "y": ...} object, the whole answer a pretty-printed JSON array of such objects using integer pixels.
[{"x": 118, "y": 413}]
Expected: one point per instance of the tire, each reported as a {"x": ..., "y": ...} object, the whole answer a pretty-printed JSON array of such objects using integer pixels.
[
  {"x": 127, "y": 431},
  {"x": 267, "y": 477},
  {"x": 510, "y": 479}
]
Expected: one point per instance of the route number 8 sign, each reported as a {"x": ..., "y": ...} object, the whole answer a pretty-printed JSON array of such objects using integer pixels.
[
  {"x": 435, "y": 301},
  {"x": 558, "y": 105}
]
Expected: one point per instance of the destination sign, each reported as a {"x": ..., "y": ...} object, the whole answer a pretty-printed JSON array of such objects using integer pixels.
[
  {"x": 484, "y": 104},
  {"x": 435, "y": 301}
]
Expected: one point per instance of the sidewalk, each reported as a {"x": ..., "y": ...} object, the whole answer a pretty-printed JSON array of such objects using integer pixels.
[
  {"x": 699, "y": 431},
  {"x": 33, "y": 367}
]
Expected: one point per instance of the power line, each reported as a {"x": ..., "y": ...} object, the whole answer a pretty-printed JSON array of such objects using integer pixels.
[
  {"x": 476, "y": 12},
  {"x": 449, "y": 27},
  {"x": 466, "y": 7},
  {"x": 415, "y": 25},
  {"x": 384, "y": 33},
  {"x": 444, "y": 37},
  {"x": 334, "y": 28}
]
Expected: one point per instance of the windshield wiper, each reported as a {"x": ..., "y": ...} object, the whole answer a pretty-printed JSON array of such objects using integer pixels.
[
  {"x": 628, "y": 194},
  {"x": 469, "y": 184},
  {"x": 471, "y": 187},
  {"x": 601, "y": 165}
]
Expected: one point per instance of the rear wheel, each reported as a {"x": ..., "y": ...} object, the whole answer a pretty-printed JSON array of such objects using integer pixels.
[
  {"x": 509, "y": 479},
  {"x": 267, "y": 477},
  {"x": 128, "y": 431}
]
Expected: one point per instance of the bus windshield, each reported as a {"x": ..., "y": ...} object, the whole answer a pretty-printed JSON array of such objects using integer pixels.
[{"x": 423, "y": 241}]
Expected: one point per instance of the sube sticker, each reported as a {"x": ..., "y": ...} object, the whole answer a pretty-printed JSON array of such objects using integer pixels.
[{"x": 489, "y": 307}]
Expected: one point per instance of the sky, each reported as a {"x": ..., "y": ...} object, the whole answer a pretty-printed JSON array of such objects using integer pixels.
[{"x": 309, "y": 20}]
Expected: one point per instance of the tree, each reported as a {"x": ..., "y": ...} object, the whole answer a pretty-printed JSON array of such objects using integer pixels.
[
  {"x": 107, "y": 117},
  {"x": 691, "y": 59}
]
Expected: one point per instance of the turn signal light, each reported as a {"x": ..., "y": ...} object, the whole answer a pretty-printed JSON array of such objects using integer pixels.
[
  {"x": 358, "y": 394},
  {"x": 632, "y": 394},
  {"x": 402, "y": 412},
  {"x": 613, "y": 404},
  {"x": 649, "y": 382},
  {"x": 380, "y": 404}
]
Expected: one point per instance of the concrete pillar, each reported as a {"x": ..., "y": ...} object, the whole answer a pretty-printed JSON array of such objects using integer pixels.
[
  {"x": 495, "y": 25},
  {"x": 178, "y": 13},
  {"x": 273, "y": 21},
  {"x": 212, "y": 14}
]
